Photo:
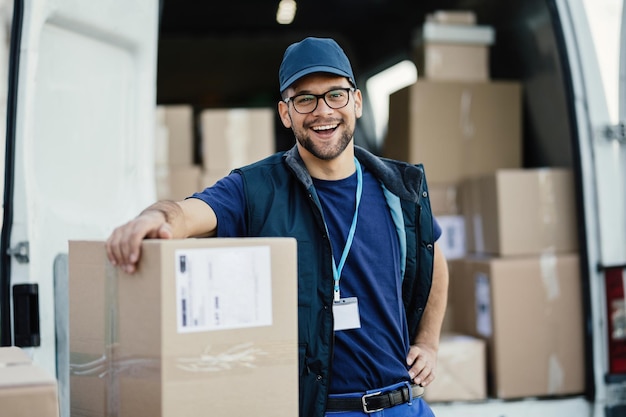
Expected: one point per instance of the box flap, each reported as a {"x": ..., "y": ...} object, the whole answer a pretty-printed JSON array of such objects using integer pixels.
[
  {"x": 13, "y": 355},
  {"x": 459, "y": 34},
  {"x": 24, "y": 375}
]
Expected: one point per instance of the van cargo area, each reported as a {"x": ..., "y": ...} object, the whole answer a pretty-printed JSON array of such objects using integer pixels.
[
  {"x": 114, "y": 104},
  {"x": 522, "y": 118}
]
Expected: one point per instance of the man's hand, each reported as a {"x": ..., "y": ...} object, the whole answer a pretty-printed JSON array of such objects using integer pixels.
[
  {"x": 124, "y": 244},
  {"x": 422, "y": 361},
  {"x": 162, "y": 220}
]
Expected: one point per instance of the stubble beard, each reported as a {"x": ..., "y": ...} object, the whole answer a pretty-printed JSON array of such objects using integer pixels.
[{"x": 326, "y": 151}]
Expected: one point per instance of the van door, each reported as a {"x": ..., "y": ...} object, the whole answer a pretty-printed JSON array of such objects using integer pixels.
[
  {"x": 595, "y": 37},
  {"x": 79, "y": 160}
]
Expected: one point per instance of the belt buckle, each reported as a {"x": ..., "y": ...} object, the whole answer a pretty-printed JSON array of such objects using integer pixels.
[{"x": 364, "y": 402}]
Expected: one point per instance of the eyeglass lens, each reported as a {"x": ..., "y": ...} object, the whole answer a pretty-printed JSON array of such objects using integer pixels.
[{"x": 335, "y": 99}]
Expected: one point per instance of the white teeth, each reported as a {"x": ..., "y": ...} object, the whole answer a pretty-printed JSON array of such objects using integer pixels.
[{"x": 327, "y": 127}]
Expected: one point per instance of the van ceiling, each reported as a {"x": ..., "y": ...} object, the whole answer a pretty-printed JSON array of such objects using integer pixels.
[{"x": 227, "y": 53}]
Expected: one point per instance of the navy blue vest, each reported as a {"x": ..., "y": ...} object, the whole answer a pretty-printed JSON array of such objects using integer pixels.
[{"x": 281, "y": 201}]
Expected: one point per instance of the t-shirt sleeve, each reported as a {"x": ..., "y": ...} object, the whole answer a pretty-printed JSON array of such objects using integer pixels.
[{"x": 226, "y": 198}]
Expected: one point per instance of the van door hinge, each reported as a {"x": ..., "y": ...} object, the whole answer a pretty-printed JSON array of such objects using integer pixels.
[
  {"x": 616, "y": 132},
  {"x": 21, "y": 252}
]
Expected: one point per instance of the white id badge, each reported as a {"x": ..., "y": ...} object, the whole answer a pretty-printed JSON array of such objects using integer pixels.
[{"x": 346, "y": 312}]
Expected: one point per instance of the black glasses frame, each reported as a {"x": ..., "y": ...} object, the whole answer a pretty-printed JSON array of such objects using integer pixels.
[{"x": 320, "y": 96}]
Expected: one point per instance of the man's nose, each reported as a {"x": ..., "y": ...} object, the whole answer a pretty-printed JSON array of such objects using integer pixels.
[{"x": 322, "y": 107}]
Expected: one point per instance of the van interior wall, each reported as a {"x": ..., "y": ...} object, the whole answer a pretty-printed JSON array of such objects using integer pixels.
[
  {"x": 527, "y": 49},
  {"x": 225, "y": 72},
  {"x": 240, "y": 70}
]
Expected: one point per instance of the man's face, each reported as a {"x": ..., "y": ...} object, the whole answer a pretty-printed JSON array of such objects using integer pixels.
[{"x": 326, "y": 132}]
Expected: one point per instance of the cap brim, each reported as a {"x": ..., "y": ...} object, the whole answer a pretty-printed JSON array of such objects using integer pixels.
[{"x": 310, "y": 70}]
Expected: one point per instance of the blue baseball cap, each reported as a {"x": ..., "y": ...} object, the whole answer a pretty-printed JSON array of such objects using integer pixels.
[{"x": 313, "y": 55}]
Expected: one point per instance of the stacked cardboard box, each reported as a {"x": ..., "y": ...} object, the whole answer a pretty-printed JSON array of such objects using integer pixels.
[
  {"x": 26, "y": 390},
  {"x": 528, "y": 310},
  {"x": 457, "y": 130},
  {"x": 459, "y": 124},
  {"x": 519, "y": 286},
  {"x": 444, "y": 203},
  {"x": 454, "y": 119},
  {"x": 444, "y": 199},
  {"x": 176, "y": 174},
  {"x": 452, "y": 241},
  {"x": 195, "y": 331},
  {"x": 515, "y": 283},
  {"x": 461, "y": 365},
  {"x": 231, "y": 138},
  {"x": 451, "y": 46},
  {"x": 521, "y": 212}
]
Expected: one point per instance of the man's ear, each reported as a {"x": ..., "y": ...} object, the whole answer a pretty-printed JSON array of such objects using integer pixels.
[
  {"x": 358, "y": 103},
  {"x": 283, "y": 112}
]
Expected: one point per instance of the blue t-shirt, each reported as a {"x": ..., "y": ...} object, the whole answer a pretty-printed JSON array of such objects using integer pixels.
[{"x": 374, "y": 355}]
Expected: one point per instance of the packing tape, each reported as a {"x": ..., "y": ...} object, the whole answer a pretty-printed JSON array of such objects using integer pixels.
[
  {"x": 556, "y": 375},
  {"x": 547, "y": 209},
  {"x": 549, "y": 275},
  {"x": 451, "y": 199},
  {"x": 482, "y": 295},
  {"x": 102, "y": 366},
  {"x": 479, "y": 238},
  {"x": 475, "y": 200},
  {"x": 111, "y": 339},
  {"x": 468, "y": 129},
  {"x": 242, "y": 355}
]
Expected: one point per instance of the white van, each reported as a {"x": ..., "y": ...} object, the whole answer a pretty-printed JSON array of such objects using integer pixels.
[{"x": 84, "y": 79}]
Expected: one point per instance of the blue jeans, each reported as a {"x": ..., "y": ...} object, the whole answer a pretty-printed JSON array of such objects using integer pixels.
[{"x": 415, "y": 408}]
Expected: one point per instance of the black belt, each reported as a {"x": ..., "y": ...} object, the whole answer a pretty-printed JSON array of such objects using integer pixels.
[{"x": 376, "y": 401}]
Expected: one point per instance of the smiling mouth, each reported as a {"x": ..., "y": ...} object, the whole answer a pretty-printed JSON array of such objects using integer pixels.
[{"x": 325, "y": 128}]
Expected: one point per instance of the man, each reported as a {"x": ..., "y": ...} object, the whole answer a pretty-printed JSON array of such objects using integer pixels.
[{"x": 372, "y": 284}]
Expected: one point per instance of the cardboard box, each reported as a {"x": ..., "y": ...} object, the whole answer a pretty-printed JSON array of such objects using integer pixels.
[
  {"x": 455, "y": 17},
  {"x": 452, "y": 239},
  {"x": 203, "y": 325},
  {"x": 456, "y": 129},
  {"x": 174, "y": 143},
  {"x": 529, "y": 310},
  {"x": 461, "y": 370},
  {"x": 521, "y": 212},
  {"x": 177, "y": 182},
  {"x": 232, "y": 138},
  {"x": 443, "y": 199},
  {"x": 12, "y": 356},
  {"x": 459, "y": 34},
  {"x": 449, "y": 324},
  {"x": 452, "y": 62},
  {"x": 209, "y": 178},
  {"x": 26, "y": 390},
  {"x": 453, "y": 52}
]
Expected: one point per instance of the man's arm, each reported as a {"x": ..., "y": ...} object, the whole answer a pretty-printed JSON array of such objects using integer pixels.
[
  {"x": 161, "y": 220},
  {"x": 423, "y": 353}
]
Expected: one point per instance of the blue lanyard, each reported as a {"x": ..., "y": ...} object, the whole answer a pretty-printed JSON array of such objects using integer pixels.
[{"x": 338, "y": 268}]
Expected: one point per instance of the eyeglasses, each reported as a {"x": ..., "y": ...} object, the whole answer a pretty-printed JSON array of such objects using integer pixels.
[{"x": 307, "y": 103}]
